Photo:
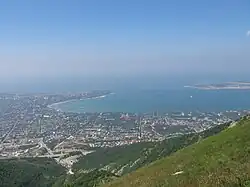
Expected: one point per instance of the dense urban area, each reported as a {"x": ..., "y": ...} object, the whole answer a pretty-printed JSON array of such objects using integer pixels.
[{"x": 31, "y": 127}]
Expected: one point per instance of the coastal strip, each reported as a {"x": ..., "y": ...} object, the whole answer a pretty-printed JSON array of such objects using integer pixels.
[
  {"x": 54, "y": 105},
  {"x": 222, "y": 86},
  {"x": 57, "y": 104}
]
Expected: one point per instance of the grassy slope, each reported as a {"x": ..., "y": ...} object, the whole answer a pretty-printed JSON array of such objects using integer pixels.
[
  {"x": 220, "y": 160},
  {"x": 29, "y": 172},
  {"x": 137, "y": 155}
]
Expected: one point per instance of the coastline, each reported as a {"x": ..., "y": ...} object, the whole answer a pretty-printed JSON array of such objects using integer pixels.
[
  {"x": 55, "y": 105},
  {"x": 236, "y": 85},
  {"x": 219, "y": 88},
  {"x": 177, "y": 100}
]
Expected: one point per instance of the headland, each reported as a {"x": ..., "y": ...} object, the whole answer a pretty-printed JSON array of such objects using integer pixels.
[{"x": 222, "y": 86}]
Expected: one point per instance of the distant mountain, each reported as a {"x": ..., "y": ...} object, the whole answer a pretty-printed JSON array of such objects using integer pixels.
[{"x": 219, "y": 160}]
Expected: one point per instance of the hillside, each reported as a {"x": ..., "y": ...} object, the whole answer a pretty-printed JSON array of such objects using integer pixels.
[
  {"x": 97, "y": 168},
  {"x": 125, "y": 159},
  {"x": 35, "y": 172},
  {"x": 92, "y": 179},
  {"x": 219, "y": 160}
]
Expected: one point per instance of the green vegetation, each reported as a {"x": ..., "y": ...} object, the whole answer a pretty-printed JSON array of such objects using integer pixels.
[
  {"x": 219, "y": 160},
  {"x": 35, "y": 172},
  {"x": 92, "y": 179},
  {"x": 124, "y": 159},
  {"x": 73, "y": 153}
]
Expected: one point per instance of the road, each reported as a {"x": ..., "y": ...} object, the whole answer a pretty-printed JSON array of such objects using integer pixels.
[
  {"x": 8, "y": 133},
  {"x": 51, "y": 154},
  {"x": 41, "y": 156},
  {"x": 42, "y": 144}
]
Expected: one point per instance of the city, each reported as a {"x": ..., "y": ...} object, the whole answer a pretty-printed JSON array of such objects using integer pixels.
[{"x": 30, "y": 127}]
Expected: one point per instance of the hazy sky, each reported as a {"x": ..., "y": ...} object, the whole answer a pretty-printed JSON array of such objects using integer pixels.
[{"x": 59, "y": 38}]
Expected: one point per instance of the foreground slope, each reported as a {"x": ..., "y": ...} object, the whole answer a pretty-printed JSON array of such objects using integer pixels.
[{"x": 220, "y": 160}]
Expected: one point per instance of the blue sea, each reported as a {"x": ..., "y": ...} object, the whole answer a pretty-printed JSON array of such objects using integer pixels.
[
  {"x": 141, "y": 101},
  {"x": 145, "y": 94}
]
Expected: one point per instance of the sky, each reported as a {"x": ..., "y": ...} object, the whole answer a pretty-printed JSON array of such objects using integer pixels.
[{"x": 76, "y": 38}]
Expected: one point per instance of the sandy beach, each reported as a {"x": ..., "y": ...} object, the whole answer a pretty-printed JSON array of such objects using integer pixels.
[{"x": 55, "y": 105}]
